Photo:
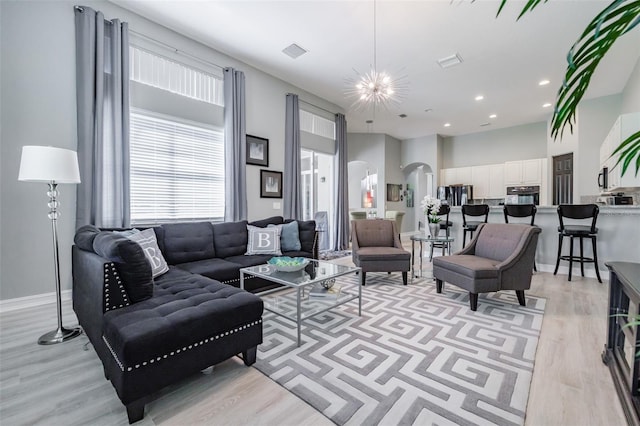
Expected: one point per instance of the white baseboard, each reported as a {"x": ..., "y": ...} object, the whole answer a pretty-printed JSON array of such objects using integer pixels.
[
  {"x": 9, "y": 305},
  {"x": 564, "y": 270}
]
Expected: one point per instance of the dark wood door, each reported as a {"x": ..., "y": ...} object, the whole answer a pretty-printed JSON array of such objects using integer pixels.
[{"x": 563, "y": 179}]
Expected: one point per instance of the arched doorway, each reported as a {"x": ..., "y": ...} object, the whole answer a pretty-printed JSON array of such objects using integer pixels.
[
  {"x": 420, "y": 180},
  {"x": 363, "y": 186}
]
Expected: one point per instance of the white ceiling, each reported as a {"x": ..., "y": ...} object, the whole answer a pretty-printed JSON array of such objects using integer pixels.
[{"x": 502, "y": 59}]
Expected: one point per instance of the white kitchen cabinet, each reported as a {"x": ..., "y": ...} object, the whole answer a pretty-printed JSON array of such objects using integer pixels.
[
  {"x": 456, "y": 176},
  {"x": 496, "y": 181},
  {"x": 523, "y": 172},
  {"x": 624, "y": 127},
  {"x": 480, "y": 179},
  {"x": 463, "y": 174},
  {"x": 513, "y": 172},
  {"x": 488, "y": 181},
  {"x": 532, "y": 171},
  {"x": 449, "y": 176}
]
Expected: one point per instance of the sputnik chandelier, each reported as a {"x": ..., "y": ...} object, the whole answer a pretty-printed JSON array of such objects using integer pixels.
[{"x": 375, "y": 87}]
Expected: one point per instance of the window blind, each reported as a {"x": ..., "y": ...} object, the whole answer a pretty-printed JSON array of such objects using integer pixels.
[
  {"x": 314, "y": 124},
  {"x": 162, "y": 73},
  {"x": 176, "y": 172}
]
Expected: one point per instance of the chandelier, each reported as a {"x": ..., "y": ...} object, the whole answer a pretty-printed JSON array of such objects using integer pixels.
[{"x": 375, "y": 87}]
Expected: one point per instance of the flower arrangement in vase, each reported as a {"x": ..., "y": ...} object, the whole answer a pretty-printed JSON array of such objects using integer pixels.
[{"x": 431, "y": 207}]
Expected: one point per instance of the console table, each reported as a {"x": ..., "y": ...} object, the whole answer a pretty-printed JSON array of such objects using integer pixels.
[{"x": 623, "y": 341}]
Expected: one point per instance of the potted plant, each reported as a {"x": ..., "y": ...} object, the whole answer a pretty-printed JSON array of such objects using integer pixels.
[{"x": 431, "y": 207}]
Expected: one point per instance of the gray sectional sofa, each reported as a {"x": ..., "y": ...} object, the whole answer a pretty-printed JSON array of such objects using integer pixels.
[{"x": 151, "y": 331}]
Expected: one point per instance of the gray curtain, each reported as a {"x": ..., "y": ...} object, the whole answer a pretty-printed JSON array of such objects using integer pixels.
[
  {"x": 102, "y": 91},
  {"x": 341, "y": 218},
  {"x": 292, "y": 193},
  {"x": 235, "y": 146}
]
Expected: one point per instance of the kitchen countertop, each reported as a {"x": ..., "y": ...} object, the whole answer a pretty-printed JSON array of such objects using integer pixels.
[{"x": 634, "y": 209}]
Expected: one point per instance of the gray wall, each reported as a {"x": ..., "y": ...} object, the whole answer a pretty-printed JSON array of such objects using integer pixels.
[
  {"x": 370, "y": 147},
  {"x": 38, "y": 107},
  {"x": 393, "y": 173},
  {"x": 495, "y": 146}
]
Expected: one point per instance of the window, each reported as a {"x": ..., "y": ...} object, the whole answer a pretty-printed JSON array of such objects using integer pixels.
[
  {"x": 316, "y": 125},
  {"x": 156, "y": 71},
  {"x": 177, "y": 170}
]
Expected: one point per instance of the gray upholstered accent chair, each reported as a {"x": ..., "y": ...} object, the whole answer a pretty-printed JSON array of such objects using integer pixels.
[
  {"x": 375, "y": 247},
  {"x": 500, "y": 257}
]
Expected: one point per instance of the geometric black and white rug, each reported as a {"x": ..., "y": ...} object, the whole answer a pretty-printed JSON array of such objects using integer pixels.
[{"x": 413, "y": 357}]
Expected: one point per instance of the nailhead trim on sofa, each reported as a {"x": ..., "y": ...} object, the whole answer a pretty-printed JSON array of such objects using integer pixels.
[
  {"x": 110, "y": 275},
  {"x": 177, "y": 351}
]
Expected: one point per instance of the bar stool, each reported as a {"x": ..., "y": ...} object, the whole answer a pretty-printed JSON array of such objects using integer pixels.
[
  {"x": 444, "y": 224},
  {"x": 521, "y": 210},
  {"x": 474, "y": 210},
  {"x": 578, "y": 211}
]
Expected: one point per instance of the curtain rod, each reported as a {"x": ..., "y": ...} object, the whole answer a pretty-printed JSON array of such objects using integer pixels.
[
  {"x": 316, "y": 106},
  {"x": 165, "y": 45},
  {"x": 174, "y": 49}
]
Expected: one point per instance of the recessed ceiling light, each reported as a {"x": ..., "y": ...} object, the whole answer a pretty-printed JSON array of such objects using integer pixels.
[
  {"x": 369, "y": 121},
  {"x": 447, "y": 124},
  {"x": 485, "y": 124},
  {"x": 492, "y": 116},
  {"x": 543, "y": 82},
  {"x": 294, "y": 51},
  {"x": 428, "y": 110},
  {"x": 479, "y": 98},
  {"x": 547, "y": 105},
  {"x": 402, "y": 115}
]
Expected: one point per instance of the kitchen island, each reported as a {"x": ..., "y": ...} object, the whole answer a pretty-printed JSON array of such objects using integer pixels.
[{"x": 618, "y": 237}]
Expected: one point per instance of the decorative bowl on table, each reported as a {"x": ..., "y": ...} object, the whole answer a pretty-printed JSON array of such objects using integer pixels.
[{"x": 288, "y": 264}]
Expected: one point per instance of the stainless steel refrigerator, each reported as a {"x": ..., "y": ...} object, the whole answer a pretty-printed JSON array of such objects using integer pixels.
[{"x": 456, "y": 195}]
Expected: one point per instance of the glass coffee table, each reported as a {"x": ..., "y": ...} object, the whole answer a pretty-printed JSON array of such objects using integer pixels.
[
  {"x": 423, "y": 237},
  {"x": 315, "y": 272}
]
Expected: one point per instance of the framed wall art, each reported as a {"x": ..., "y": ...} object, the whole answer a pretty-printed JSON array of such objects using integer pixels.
[
  {"x": 270, "y": 184},
  {"x": 257, "y": 151},
  {"x": 394, "y": 192}
]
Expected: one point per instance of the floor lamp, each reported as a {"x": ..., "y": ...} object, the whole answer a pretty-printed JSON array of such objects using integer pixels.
[{"x": 54, "y": 166}]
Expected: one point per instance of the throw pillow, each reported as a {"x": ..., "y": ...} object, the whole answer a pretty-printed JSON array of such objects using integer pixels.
[
  {"x": 263, "y": 240},
  {"x": 131, "y": 262},
  {"x": 147, "y": 240},
  {"x": 289, "y": 236}
]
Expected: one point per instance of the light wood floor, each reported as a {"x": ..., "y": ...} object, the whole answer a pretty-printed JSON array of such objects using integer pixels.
[{"x": 64, "y": 384}]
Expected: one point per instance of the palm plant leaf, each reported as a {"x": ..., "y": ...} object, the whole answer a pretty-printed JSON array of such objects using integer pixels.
[
  {"x": 616, "y": 19},
  {"x": 627, "y": 150}
]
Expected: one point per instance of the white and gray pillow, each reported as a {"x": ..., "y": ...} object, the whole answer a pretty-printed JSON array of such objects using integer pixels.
[
  {"x": 147, "y": 240},
  {"x": 263, "y": 240}
]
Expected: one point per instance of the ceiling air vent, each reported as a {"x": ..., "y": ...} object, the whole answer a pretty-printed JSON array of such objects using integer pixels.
[
  {"x": 485, "y": 124},
  {"x": 294, "y": 51},
  {"x": 402, "y": 115},
  {"x": 450, "y": 61},
  {"x": 369, "y": 121}
]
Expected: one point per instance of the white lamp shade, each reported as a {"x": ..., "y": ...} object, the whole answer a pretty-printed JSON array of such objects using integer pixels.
[{"x": 47, "y": 164}]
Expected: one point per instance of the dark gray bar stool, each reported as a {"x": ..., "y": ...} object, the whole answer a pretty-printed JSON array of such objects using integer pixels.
[
  {"x": 578, "y": 211},
  {"x": 474, "y": 210},
  {"x": 521, "y": 210},
  {"x": 444, "y": 224}
]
